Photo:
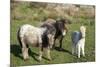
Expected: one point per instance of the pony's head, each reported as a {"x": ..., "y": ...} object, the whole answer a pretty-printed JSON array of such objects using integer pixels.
[
  {"x": 62, "y": 26},
  {"x": 83, "y": 30}
]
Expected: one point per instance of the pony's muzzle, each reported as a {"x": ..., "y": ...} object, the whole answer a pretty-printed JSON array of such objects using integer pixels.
[{"x": 64, "y": 32}]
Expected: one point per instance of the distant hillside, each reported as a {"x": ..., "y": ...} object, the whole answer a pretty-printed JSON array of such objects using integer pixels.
[{"x": 40, "y": 11}]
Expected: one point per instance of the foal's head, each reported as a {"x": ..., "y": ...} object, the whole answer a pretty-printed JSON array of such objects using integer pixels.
[{"x": 83, "y": 30}]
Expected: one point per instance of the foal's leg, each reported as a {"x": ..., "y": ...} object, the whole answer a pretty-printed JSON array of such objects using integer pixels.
[
  {"x": 78, "y": 50},
  {"x": 73, "y": 48},
  {"x": 83, "y": 53},
  {"x": 48, "y": 53}
]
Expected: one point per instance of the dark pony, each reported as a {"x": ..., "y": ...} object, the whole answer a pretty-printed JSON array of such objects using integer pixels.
[{"x": 61, "y": 29}]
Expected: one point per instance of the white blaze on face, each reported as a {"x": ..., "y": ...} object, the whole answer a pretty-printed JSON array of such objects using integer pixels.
[{"x": 64, "y": 33}]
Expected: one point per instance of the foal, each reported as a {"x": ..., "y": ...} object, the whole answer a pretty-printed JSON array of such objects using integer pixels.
[{"x": 78, "y": 40}]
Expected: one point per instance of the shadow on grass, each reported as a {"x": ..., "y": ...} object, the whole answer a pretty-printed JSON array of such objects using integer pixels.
[
  {"x": 63, "y": 50},
  {"x": 16, "y": 51},
  {"x": 33, "y": 54}
]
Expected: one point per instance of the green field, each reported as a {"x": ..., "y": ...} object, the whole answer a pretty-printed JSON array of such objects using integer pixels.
[{"x": 58, "y": 57}]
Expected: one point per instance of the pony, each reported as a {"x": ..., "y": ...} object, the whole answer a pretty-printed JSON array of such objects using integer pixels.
[
  {"x": 78, "y": 41},
  {"x": 41, "y": 37},
  {"x": 61, "y": 29}
]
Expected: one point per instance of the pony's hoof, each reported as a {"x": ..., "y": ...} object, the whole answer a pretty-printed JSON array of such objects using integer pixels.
[
  {"x": 50, "y": 59},
  {"x": 26, "y": 59},
  {"x": 60, "y": 49},
  {"x": 78, "y": 56},
  {"x": 52, "y": 48},
  {"x": 84, "y": 55},
  {"x": 72, "y": 53},
  {"x": 39, "y": 60}
]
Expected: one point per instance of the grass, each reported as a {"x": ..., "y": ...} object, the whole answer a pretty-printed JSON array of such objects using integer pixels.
[
  {"x": 22, "y": 14},
  {"x": 63, "y": 56}
]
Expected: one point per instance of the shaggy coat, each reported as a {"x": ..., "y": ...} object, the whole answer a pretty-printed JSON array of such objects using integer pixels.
[{"x": 41, "y": 37}]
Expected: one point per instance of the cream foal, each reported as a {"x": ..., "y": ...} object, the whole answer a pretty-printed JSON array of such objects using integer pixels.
[{"x": 78, "y": 39}]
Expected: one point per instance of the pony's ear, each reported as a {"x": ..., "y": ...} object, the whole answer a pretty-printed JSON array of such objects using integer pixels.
[{"x": 66, "y": 21}]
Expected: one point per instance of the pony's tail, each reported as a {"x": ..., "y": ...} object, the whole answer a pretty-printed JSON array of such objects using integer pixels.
[{"x": 18, "y": 37}]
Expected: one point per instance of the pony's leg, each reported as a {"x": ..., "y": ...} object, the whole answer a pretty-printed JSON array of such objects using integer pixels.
[
  {"x": 24, "y": 49},
  {"x": 54, "y": 43},
  {"x": 27, "y": 56},
  {"x": 83, "y": 53},
  {"x": 25, "y": 53},
  {"x": 40, "y": 52},
  {"x": 48, "y": 53},
  {"x": 61, "y": 42},
  {"x": 40, "y": 56}
]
